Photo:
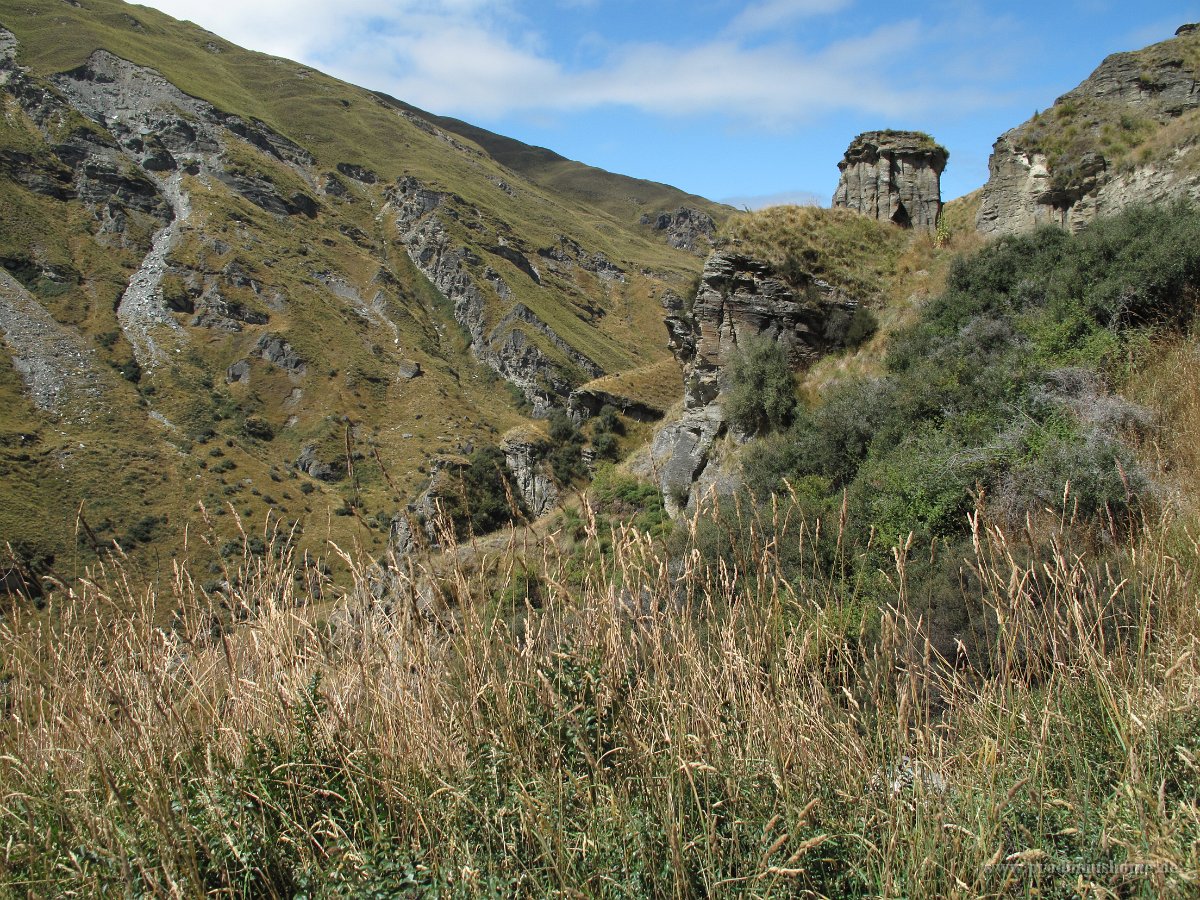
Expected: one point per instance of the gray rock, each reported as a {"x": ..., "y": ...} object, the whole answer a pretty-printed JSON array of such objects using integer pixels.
[
  {"x": 308, "y": 463},
  {"x": 739, "y": 298},
  {"x": 893, "y": 176},
  {"x": 685, "y": 228},
  {"x": 586, "y": 402},
  {"x": 1027, "y": 189},
  {"x": 569, "y": 254},
  {"x": 212, "y": 310},
  {"x": 523, "y": 454},
  {"x": 58, "y": 369},
  {"x": 680, "y": 453},
  {"x": 239, "y": 372},
  {"x": 358, "y": 173},
  {"x": 408, "y": 370},
  {"x": 505, "y": 345},
  {"x": 279, "y": 352}
]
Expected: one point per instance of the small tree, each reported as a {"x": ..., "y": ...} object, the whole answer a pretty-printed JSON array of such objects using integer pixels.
[{"x": 761, "y": 395}]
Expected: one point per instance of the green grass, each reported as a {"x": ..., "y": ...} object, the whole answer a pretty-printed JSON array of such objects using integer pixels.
[{"x": 1080, "y": 125}]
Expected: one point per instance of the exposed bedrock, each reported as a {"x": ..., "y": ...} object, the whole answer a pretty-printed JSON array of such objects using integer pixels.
[
  {"x": 893, "y": 176},
  {"x": 739, "y": 298}
]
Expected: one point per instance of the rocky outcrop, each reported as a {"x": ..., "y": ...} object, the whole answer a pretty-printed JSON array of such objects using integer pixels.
[
  {"x": 309, "y": 463},
  {"x": 524, "y": 452},
  {"x": 506, "y": 344},
  {"x": 586, "y": 402},
  {"x": 685, "y": 228},
  {"x": 568, "y": 254},
  {"x": 1064, "y": 167},
  {"x": 280, "y": 353},
  {"x": 739, "y": 298},
  {"x": 893, "y": 176},
  {"x": 148, "y": 137}
]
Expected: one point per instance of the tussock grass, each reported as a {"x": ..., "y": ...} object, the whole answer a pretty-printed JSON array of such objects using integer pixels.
[
  {"x": 1167, "y": 381},
  {"x": 844, "y": 247},
  {"x": 616, "y": 722}
]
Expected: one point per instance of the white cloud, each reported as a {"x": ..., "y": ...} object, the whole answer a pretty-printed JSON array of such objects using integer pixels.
[
  {"x": 483, "y": 59},
  {"x": 770, "y": 14}
]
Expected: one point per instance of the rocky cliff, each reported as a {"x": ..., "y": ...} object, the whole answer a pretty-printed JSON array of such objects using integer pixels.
[
  {"x": 738, "y": 298},
  {"x": 893, "y": 176},
  {"x": 1127, "y": 134}
]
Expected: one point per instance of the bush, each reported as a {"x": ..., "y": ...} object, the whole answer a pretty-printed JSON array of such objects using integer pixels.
[
  {"x": 482, "y": 499},
  {"x": 761, "y": 394},
  {"x": 830, "y": 441},
  {"x": 1000, "y": 385},
  {"x": 258, "y": 428},
  {"x": 566, "y": 451}
]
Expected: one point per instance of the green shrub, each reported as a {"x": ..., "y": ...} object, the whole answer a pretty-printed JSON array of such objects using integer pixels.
[
  {"x": 258, "y": 428},
  {"x": 565, "y": 454},
  {"x": 761, "y": 394},
  {"x": 481, "y": 499}
]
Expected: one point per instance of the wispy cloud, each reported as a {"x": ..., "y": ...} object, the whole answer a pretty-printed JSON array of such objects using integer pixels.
[
  {"x": 484, "y": 60},
  {"x": 784, "y": 198},
  {"x": 771, "y": 14}
]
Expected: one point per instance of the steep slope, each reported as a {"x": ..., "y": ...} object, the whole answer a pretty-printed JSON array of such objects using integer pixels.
[
  {"x": 1127, "y": 134},
  {"x": 282, "y": 292},
  {"x": 620, "y": 195}
]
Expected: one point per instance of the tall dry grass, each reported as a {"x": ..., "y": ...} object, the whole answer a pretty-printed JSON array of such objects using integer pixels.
[{"x": 627, "y": 723}]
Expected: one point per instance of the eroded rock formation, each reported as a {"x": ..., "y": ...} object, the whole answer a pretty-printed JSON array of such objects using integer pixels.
[
  {"x": 524, "y": 452},
  {"x": 739, "y": 298},
  {"x": 1075, "y": 161},
  {"x": 893, "y": 176},
  {"x": 686, "y": 228},
  {"x": 507, "y": 344}
]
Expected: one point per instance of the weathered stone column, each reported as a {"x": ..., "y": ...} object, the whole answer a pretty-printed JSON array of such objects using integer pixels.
[{"x": 894, "y": 176}]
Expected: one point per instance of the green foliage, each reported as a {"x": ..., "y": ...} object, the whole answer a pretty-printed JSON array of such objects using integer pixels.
[
  {"x": 625, "y": 498},
  {"x": 565, "y": 454},
  {"x": 862, "y": 326},
  {"x": 761, "y": 395},
  {"x": 143, "y": 531},
  {"x": 479, "y": 497},
  {"x": 829, "y": 442},
  {"x": 1000, "y": 393},
  {"x": 606, "y": 427}
]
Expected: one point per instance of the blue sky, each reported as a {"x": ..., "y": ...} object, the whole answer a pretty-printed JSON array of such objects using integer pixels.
[{"x": 747, "y": 102}]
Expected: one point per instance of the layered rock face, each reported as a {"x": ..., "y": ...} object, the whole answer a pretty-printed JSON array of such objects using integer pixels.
[
  {"x": 893, "y": 176},
  {"x": 1088, "y": 155},
  {"x": 461, "y": 275},
  {"x": 523, "y": 455},
  {"x": 739, "y": 298}
]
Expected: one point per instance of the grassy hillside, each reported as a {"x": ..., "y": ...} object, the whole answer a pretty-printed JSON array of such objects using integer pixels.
[
  {"x": 942, "y": 643},
  {"x": 336, "y": 285},
  {"x": 619, "y": 195}
]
